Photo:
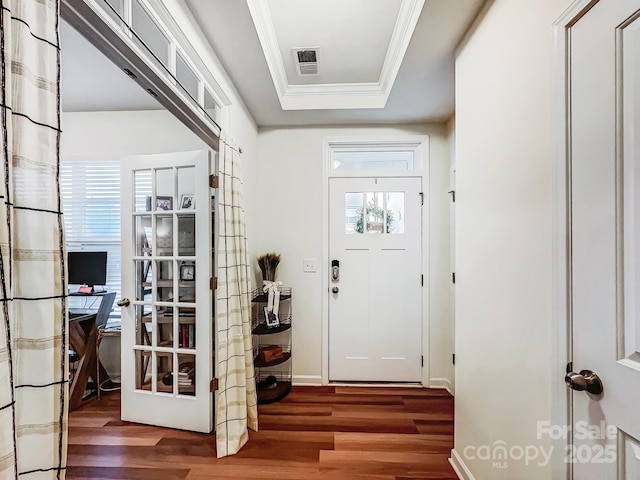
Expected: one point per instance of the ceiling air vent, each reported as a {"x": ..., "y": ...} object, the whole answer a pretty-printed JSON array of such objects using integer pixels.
[{"x": 306, "y": 61}]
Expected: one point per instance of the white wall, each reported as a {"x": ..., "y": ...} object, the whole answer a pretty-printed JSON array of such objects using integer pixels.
[
  {"x": 504, "y": 378},
  {"x": 284, "y": 214},
  {"x": 112, "y": 135}
]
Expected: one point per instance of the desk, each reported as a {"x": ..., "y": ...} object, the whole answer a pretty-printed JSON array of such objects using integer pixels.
[{"x": 83, "y": 334}]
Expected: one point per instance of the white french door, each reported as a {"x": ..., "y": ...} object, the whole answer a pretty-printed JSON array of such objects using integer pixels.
[
  {"x": 375, "y": 283},
  {"x": 166, "y": 269}
]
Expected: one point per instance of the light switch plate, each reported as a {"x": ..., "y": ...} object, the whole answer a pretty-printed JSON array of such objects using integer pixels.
[{"x": 310, "y": 265}]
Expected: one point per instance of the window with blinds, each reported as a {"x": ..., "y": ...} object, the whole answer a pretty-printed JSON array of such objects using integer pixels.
[{"x": 91, "y": 204}]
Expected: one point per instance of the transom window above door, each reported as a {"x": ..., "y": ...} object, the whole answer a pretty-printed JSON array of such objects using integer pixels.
[
  {"x": 375, "y": 157},
  {"x": 373, "y": 160}
]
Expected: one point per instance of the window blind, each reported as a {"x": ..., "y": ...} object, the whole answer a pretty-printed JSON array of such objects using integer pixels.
[{"x": 91, "y": 204}]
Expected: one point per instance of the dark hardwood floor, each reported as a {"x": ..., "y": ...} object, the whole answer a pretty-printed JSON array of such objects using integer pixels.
[{"x": 328, "y": 433}]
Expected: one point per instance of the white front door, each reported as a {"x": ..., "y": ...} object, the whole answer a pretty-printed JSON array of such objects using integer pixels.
[
  {"x": 375, "y": 289},
  {"x": 605, "y": 239},
  {"x": 166, "y": 269}
]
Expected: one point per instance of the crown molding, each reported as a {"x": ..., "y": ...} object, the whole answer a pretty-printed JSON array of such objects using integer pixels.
[{"x": 336, "y": 95}]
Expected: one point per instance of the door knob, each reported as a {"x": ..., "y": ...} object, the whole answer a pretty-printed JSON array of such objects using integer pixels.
[
  {"x": 585, "y": 380},
  {"x": 124, "y": 302},
  {"x": 335, "y": 290}
]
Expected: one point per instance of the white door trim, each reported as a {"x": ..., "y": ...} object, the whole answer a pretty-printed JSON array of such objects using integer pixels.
[
  {"x": 421, "y": 169},
  {"x": 561, "y": 250}
]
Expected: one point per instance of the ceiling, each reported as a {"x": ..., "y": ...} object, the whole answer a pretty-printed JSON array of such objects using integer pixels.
[{"x": 379, "y": 61}]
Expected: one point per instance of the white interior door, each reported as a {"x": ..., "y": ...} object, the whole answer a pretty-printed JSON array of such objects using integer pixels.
[
  {"x": 375, "y": 302},
  {"x": 605, "y": 247},
  {"x": 166, "y": 267}
]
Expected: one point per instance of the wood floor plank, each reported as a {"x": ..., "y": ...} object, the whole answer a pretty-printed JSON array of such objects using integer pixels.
[
  {"x": 409, "y": 391},
  {"x": 386, "y": 463},
  {"x": 316, "y": 433},
  {"x": 391, "y": 442},
  {"x": 434, "y": 427},
  {"x": 389, "y": 412},
  {"x": 337, "y": 424},
  {"x": 89, "y": 437},
  {"x": 125, "y": 473},
  {"x": 336, "y": 398},
  {"x": 300, "y": 409}
]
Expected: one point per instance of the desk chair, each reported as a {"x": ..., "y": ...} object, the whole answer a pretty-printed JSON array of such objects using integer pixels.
[{"x": 102, "y": 316}]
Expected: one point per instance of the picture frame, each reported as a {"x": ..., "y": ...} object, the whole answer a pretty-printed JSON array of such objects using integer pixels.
[
  {"x": 271, "y": 319},
  {"x": 187, "y": 271},
  {"x": 164, "y": 203},
  {"x": 187, "y": 201}
]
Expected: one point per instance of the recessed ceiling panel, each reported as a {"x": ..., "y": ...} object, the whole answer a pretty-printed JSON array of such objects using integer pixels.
[
  {"x": 353, "y": 37},
  {"x": 360, "y": 45}
]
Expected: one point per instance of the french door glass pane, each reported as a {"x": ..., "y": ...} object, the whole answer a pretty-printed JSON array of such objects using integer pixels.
[
  {"x": 164, "y": 189},
  {"x": 143, "y": 378},
  {"x": 164, "y": 320},
  {"x": 164, "y": 235},
  {"x": 142, "y": 232},
  {"x": 164, "y": 284},
  {"x": 186, "y": 374},
  {"x": 186, "y": 327},
  {"x": 143, "y": 270},
  {"x": 143, "y": 325},
  {"x": 142, "y": 184},
  {"x": 164, "y": 369},
  {"x": 186, "y": 237}
]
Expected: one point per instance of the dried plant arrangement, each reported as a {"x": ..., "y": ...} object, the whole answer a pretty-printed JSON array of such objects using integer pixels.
[{"x": 268, "y": 264}]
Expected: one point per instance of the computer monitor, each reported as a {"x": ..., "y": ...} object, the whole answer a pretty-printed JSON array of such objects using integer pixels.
[{"x": 87, "y": 268}]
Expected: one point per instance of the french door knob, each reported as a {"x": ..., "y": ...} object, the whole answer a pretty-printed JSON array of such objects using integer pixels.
[
  {"x": 124, "y": 302},
  {"x": 335, "y": 290},
  {"x": 585, "y": 380}
]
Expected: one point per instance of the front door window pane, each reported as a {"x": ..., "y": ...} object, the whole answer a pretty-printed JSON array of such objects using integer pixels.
[
  {"x": 395, "y": 212},
  {"x": 374, "y": 214},
  {"x": 384, "y": 212},
  {"x": 353, "y": 206}
]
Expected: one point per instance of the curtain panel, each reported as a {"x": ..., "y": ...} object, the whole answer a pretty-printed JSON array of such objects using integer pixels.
[
  {"x": 33, "y": 355},
  {"x": 236, "y": 400}
]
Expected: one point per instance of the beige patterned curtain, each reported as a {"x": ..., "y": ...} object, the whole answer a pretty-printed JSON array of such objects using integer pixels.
[
  {"x": 33, "y": 367},
  {"x": 236, "y": 397}
]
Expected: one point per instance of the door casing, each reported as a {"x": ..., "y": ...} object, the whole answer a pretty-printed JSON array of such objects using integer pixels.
[{"x": 421, "y": 169}]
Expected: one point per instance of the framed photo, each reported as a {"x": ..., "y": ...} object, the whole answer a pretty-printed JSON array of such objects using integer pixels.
[
  {"x": 187, "y": 202},
  {"x": 271, "y": 318},
  {"x": 164, "y": 203},
  {"x": 187, "y": 271}
]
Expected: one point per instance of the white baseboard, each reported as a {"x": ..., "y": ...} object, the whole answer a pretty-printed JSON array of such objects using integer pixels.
[
  {"x": 441, "y": 383},
  {"x": 309, "y": 380},
  {"x": 459, "y": 467}
]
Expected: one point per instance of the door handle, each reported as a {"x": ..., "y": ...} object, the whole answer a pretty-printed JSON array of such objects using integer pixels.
[
  {"x": 585, "y": 380},
  {"x": 335, "y": 290},
  {"x": 124, "y": 302}
]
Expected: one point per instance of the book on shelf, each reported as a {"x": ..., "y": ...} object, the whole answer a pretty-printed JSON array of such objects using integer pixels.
[{"x": 187, "y": 335}]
